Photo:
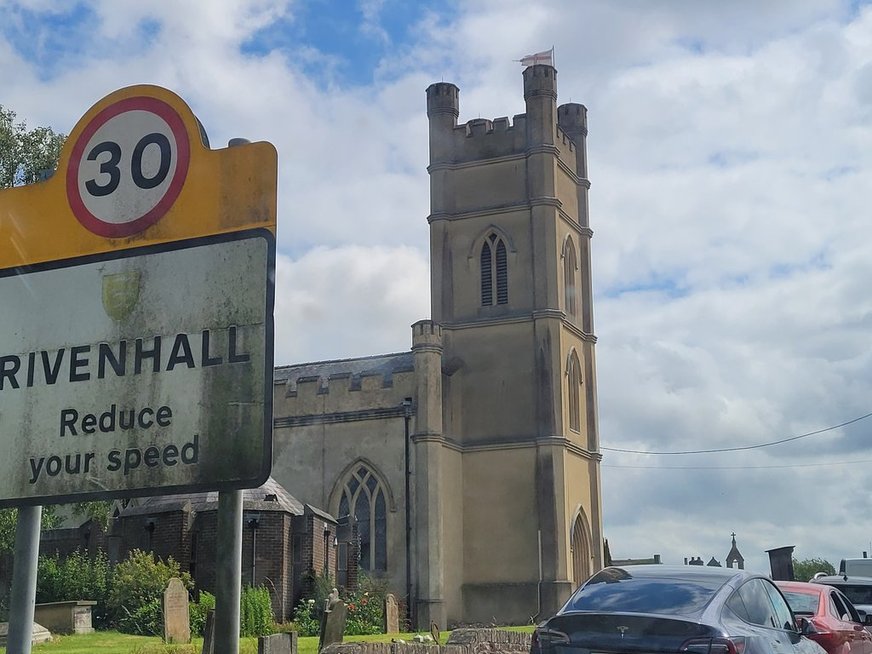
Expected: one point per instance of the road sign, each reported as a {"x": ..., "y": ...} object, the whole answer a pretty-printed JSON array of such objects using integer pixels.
[
  {"x": 136, "y": 307},
  {"x": 128, "y": 166}
]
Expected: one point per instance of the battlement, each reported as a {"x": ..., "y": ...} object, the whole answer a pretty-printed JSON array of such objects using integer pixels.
[
  {"x": 443, "y": 98},
  {"x": 540, "y": 80},
  {"x": 345, "y": 376},
  {"x": 426, "y": 333},
  {"x": 481, "y": 138},
  {"x": 572, "y": 118}
]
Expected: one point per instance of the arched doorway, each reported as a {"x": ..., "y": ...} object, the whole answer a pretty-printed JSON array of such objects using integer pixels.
[{"x": 580, "y": 545}]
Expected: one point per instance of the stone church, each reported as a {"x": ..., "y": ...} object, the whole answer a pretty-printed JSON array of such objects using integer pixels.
[{"x": 471, "y": 463}]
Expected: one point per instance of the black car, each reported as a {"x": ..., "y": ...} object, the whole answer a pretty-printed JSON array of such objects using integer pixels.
[{"x": 658, "y": 608}]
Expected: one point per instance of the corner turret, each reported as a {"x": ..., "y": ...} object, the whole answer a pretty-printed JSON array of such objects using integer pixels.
[
  {"x": 443, "y": 108},
  {"x": 540, "y": 96}
]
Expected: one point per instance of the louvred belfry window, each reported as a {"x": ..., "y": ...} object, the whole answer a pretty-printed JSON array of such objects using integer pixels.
[
  {"x": 570, "y": 267},
  {"x": 494, "y": 272}
]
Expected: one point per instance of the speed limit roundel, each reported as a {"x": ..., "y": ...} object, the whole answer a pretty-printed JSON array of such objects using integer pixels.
[{"x": 128, "y": 166}]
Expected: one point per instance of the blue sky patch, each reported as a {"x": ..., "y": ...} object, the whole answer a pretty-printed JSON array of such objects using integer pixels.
[{"x": 351, "y": 46}]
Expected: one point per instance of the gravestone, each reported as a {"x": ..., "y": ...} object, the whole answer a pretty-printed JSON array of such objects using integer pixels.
[
  {"x": 392, "y": 615},
  {"x": 333, "y": 624},
  {"x": 176, "y": 619},
  {"x": 209, "y": 633},
  {"x": 278, "y": 644}
]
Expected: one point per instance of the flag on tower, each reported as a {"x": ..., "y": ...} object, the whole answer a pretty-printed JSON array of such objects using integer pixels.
[{"x": 545, "y": 57}]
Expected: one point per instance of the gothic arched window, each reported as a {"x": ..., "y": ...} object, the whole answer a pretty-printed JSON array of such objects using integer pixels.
[
  {"x": 573, "y": 376},
  {"x": 494, "y": 272},
  {"x": 364, "y": 498},
  {"x": 570, "y": 272}
]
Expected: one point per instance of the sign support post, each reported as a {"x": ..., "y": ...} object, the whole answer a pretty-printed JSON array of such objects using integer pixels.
[
  {"x": 23, "y": 600},
  {"x": 228, "y": 572}
]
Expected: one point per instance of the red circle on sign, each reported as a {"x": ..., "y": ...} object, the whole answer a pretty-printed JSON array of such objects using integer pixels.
[{"x": 183, "y": 158}]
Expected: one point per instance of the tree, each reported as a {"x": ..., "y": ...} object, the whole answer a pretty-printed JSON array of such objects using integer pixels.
[
  {"x": 25, "y": 153},
  {"x": 808, "y": 568}
]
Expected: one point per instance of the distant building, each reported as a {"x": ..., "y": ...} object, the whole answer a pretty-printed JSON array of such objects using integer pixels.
[{"x": 733, "y": 557}]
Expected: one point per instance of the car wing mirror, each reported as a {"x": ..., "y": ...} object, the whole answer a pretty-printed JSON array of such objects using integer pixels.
[
  {"x": 806, "y": 627},
  {"x": 867, "y": 619}
]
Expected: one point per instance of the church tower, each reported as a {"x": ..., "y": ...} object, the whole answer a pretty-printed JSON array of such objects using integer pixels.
[{"x": 516, "y": 457}]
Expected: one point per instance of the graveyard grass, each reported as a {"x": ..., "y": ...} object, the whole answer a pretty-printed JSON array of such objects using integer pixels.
[{"x": 112, "y": 642}]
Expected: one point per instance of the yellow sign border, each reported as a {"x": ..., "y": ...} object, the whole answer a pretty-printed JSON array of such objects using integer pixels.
[{"x": 226, "y": 190}]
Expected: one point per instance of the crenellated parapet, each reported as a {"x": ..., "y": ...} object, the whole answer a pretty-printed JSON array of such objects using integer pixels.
[
  {"x": 426, "y": 335},
  {"x": 389, "y": 376}
]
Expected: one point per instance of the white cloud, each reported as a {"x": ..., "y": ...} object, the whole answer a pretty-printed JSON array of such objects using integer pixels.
[{"x": 730, "y": 159}]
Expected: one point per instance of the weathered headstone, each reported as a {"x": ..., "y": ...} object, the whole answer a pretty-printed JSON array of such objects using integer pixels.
[
  {"x": 392, "y": 615},
  {"x": 333, "y": 624},
  {"x": 209, "y": 633},
  {"x": 278, "y": 644},
  {"x": 177, "y": 621}
]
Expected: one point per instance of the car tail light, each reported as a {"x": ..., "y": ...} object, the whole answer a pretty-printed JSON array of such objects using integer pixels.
[
  {"x": 544, "y": 638},
  {"x": 714, "y": 646}
]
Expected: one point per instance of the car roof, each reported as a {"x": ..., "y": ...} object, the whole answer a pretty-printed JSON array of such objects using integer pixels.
[
  {"x": 802, "y": 587},
  {"x": 832, "y": 580},
  {"x": 658, "y": 571}
]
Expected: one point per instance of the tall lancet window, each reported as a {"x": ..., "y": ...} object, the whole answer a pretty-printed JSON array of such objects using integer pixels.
[
  {"x": 494, "y": 272},
  {"x": 364, "y": 498},
  {"x": 573, "y": 376},
  {"x": 570, "y": 273}
]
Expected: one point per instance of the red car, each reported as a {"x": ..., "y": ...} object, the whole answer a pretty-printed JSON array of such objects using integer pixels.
[{"x": 827, "y": 617}]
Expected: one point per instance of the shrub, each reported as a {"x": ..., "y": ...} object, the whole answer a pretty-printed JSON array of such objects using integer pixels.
[
  {"x": 307, "y": 618},
  {"x": 144, "y": 620},
  {"x": 255, "y": 614},
  {"x": 139, "y": 582},
  {"x": 76, "y": 577},
  {"x": 198, "y": 612}
]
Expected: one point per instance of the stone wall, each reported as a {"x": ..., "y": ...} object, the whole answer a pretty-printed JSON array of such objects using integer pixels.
[{"x": 461, "y": 641}]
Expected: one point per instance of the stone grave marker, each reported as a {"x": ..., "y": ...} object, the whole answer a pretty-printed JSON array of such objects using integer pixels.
[
  {"x": 277, "y": 644},
  {"x": 209, "y": 633},
  {"x": 333, "y": 624},
  {"x": 392, "y": 615},
  {"x": 176, "y": 619}
]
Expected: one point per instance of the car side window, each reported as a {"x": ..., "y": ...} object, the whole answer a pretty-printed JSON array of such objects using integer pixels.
[
  {"x": 783, "y": 616},
  {"x": 849, "y": 608},
  {"x": 836, "y": 602},
  {"x": 758, "y": 607}
]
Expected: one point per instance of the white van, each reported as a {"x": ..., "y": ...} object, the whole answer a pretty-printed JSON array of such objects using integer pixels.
[{"x": 856, "y": 567}]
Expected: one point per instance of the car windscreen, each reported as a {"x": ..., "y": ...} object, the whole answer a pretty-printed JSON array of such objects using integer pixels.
[
  {"x": 802, "y": 602},
  {"x": 856, "y": 593},
  {"x": 669, "y": 595}
]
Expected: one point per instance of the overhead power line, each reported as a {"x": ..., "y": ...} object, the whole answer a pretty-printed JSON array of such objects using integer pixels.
[
  {"x": 742, "y": 447},
  {"x": 787, "y": 465}
]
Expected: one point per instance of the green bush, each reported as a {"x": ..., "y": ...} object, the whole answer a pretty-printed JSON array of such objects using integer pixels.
[
  {"x": 137, "y": 584},
  {"x": 76, "y": 577},
  {"x": 198, "y": 611},
  {"x": 145, "y": 620},
  {"x": 255, "y": 614},
  {"x": 307, "y": 617}
]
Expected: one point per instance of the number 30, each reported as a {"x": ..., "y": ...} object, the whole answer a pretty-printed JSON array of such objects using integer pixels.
[{"x": 110, "y": 166}]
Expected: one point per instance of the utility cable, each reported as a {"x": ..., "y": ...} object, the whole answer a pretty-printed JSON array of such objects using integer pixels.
[
  {"x": 743, "y": 447},
  {"x": 793, "y": 465}
]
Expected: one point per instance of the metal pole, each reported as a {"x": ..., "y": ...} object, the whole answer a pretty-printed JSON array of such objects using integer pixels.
[
  {"x": 228, "y": 572},
  {"x": 410, "y": 604},
  {"x": 24, "y": 565},
  {"x": 228, "y": 556}
]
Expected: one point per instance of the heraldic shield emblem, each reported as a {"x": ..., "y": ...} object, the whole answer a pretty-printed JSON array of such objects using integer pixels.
[{"x": 120, "y": 293}]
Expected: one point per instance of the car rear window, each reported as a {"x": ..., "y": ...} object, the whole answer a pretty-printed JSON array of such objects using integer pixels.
[
  {"x": 802, "y": 602},
  {"x": 856, "y": 593},
  {"x": 672, "y": 596}
]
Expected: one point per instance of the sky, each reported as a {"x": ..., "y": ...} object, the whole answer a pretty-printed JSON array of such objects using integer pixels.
[{"x": 730, "y": 156}]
